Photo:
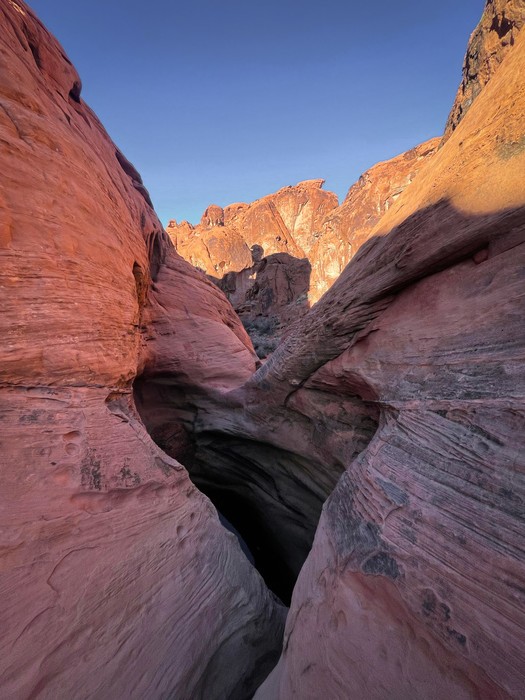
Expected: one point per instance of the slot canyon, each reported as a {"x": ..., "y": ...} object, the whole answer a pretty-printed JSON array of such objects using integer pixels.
[{"x": 280, "y": 453}]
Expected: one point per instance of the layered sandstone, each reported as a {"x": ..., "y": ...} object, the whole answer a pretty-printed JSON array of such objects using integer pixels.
[
  {"x": 403, "y": 388},
  {"x": 117, "y": 577},
  {"x": 494, "y": 36},
  {"x": 398, "y": 402},
  {"x": 415, "y": 583},
  {"x": 258, "y": 255}
]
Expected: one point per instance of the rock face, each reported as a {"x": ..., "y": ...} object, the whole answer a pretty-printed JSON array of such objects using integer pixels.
[
  {"x": 257, "y": 254},
  {"x": 287, "y": 221},
  {"x": 269, "y": 296},
  {"x": 404, "y": 389},
  {"x": 117, "y": 578},
  {"x": 350, "y": 225},
  {"x": 491, "y": 40},
  {"x": 394, "y": 410},
  {"x": 270, "y": 291},
  {"x": 415, "y": 583}
]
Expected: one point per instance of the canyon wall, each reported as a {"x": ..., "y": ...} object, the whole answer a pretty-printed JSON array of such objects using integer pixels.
[
  {"x": 350, "y": 225},
  {"x": 275, "y": 257},
  {"x": 117, "y": 577},
  {"x": 415, "y": 583},
  {"x": 393, "y": 410},
  {"x": 258, "y": 255}
]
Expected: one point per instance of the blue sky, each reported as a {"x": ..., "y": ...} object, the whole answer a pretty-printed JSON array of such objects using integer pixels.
[{"x": 220, "y": 102}]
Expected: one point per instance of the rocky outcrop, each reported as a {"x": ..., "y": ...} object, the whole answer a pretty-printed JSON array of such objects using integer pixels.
[
  {"x": 117, "y": 577},
  {"x": 269, "y": 296},
  {"x": 350, "y": 225},
  {"x": 257, "y": 254},
  {"x": 330, "y": 236},
  {"x": 400, "y": 396},
  {"x": 415, "y": 583},
  {"x": 494, "y": 36},
  {"x": 287, "y": 221}
]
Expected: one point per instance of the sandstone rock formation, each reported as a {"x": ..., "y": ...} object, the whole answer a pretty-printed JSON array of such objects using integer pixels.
[
  {"x": 287, "y": 221},
  {"x": 407, "y": 379},
  {"x": 394, "y": 410},
  {"x": 491, "y": 40},
  {"x": 257, "y": 254},
  {"x": 117, "y": 578},
  {"x": 350, "y": 225},
  {"x": 415, "y": 583},
  {"x": 270, "y": 292},
  {"x": 269, "y": 296}
]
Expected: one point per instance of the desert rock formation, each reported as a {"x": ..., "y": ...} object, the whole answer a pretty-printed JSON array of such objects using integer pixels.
[
  {"x": 407, "y": 379},
  {"x": 377, "y": 455},
  {"x": 117, "y": 578},
  {"x": 350, "y": 225},
  {"x": 258, "y": 255},
  {"x": 414, "y": 586},
  {"x": 269, "y": 291},
  {"x": 494, "y": 36}
]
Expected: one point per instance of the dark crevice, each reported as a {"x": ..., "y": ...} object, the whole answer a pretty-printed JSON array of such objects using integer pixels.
[
  {"x": 251, "y": 505},
  {"x": 501, "y": 25},
  {"x": 271, "y": 496},
  {"x": 134, "y": 175},
  {"x": 36, "y": 53},
  {"x": 75, "y": 91}
]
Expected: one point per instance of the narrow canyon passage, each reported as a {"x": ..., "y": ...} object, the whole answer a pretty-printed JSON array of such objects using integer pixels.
[
  {"x": 372, "y": 465},
  {"x": 271, "y": 495}
]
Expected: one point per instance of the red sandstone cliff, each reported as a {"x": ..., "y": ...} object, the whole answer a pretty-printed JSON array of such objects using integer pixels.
[
  {"x": 415, "y": 583},
  {"x": 258, "y": 255},
  {"x": 269, "y": 294},
  {"x": 350, "y": 225}
]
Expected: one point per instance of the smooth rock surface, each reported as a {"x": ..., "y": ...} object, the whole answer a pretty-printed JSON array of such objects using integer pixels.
[{"x": 117, "y": 579}]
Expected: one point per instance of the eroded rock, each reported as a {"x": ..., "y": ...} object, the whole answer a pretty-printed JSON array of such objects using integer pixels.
[
  {"x": 494, "y": 36},
  {"x": 117, "y": 578},
  {"x": 414, "y": 586}
]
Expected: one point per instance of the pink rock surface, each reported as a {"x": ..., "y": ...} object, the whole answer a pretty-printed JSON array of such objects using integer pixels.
[
  {"x": 116, "y": 578},
  {"x": 415, "y": 583},
  {"x": 401, "y": 393}
]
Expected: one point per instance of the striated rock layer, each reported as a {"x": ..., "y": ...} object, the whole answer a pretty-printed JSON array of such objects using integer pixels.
[
  {"x": 257, "y": 254},
  {"x": 416, "y": 580},
  {"x": 117, "y": 579},
  {"x": 399, "y": 397}
]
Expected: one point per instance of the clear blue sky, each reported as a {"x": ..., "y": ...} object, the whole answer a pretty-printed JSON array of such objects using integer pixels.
[{"x": 224, "y": 101}]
